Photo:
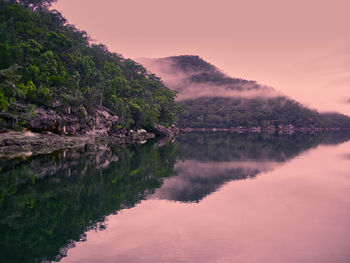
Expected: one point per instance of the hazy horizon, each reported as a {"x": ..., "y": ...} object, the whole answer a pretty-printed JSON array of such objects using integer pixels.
[{"x": 299, "y": 48}]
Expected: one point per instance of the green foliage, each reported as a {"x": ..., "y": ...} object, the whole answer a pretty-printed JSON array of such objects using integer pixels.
[
  {"x": 219, "y": 111},
  {"x": 44, "y": 59},
  {"x": 232, "y": 112},
  {"x": 28, "y": 3},
  {"x": 336, "y": 120},
  {"x": 3, "y": 102}
]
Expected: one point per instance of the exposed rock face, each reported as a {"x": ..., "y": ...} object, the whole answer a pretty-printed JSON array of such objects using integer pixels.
[
  {"x": 23, "y": 144},
  {"x": 13, "y": 144},
  {"x": 53, "y": 126},
  {"x": 167, "y": 132},
  {"x": 73, "y": 120}
]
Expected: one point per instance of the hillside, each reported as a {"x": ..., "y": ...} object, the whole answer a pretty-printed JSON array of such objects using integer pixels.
[
  {"x": 213, "y": 99},
  {"x": 53, "y": 77}
]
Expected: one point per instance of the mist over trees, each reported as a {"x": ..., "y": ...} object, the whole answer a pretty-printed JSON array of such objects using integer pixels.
[
  {"x": 45, "y": 62},
  {"x": 212, "y": 99}
]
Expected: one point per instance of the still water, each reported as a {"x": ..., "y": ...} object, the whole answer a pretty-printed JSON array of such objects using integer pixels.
[{"x": 217, "y": 197}]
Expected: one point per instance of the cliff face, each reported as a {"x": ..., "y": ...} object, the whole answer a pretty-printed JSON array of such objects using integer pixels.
[{"x": 73, "y": 121}]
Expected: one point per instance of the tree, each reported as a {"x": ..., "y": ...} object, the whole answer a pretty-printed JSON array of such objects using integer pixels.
[{"x": 32, "y": 4}]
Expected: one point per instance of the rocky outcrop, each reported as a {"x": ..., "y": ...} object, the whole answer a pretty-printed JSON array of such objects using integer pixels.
[
  {"x": 73, "y": 120},
  {"x": 61, "y": 128},
  {"x": 21, "y": 144},
  {"x": 18, "y": 144},
  {"x": 124, "y": 136},
  {"x": 163, "y": 131},
  {"x": 140, "y": 136}
]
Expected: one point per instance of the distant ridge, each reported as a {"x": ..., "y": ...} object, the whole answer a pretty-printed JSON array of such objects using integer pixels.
[
  {"x": 212, "y": 99},
  {"x": 194, "y": 70}
]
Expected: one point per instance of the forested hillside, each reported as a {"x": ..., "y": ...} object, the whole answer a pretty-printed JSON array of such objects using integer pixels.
[
  {"x": 212, "y": 99},
  {"x": 47, "y": 63}
]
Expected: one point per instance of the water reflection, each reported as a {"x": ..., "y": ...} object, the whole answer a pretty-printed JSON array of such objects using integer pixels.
[
  {"x": 209, "y": 160},
  {"x": 48, "y": 202}
]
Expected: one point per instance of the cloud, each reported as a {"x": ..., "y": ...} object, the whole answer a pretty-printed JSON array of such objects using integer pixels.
[
  {"x": 201, "y": 90},
  {"x": 195, "y": 79}
]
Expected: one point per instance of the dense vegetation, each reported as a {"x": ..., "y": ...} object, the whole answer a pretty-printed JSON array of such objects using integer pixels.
[
  {"x": 219, "y": 112},
  {"x": 45, "y": 61},
  {"x": 232, "y": 112},
  {"x": 231, "y": 102}
]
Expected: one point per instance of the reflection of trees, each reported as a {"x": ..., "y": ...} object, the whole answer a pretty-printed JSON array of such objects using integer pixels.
[
  {"x": 222, "y": 146},
  {"x": 209, "y": 160},
  {"x": 47, "y": 201}
]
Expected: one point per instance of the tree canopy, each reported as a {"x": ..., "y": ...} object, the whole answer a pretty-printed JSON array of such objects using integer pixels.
[{"x": 47, "y": 61}]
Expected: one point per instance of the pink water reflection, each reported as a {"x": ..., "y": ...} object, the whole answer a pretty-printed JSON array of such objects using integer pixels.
[{"x": 299, "y": 212}]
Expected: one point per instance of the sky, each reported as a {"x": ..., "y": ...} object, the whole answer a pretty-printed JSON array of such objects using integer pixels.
[{"x": 301, "y": 48}]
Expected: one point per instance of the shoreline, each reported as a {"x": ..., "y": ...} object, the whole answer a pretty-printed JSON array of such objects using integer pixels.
[
  {"x": 22, "y": 144},
  {"x": 282, "y": 129}
]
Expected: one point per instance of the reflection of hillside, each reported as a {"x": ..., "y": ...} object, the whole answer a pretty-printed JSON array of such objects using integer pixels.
[
  {"x": 212, "y": 159},
  {"x": 221, "y": 146},
  {"x": 196, "y": 179},
  {"x": 47, "y": 202}
]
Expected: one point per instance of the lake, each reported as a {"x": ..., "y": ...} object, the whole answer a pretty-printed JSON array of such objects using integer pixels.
[{"x": 207, "y": 197}]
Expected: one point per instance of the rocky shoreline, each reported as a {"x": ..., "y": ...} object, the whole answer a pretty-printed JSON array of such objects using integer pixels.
[
  {"x": 19, "y": 144},
  {"x": 15, "y": 144},
  {"x": 70, "y": 127}
]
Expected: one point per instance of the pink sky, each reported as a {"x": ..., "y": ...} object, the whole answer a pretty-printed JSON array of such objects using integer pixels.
[{"x": 301, "y": 48}]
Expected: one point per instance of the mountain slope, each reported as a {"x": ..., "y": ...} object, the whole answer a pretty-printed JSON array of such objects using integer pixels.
[
  {"x": 49, "y": 67},
  {"x": 212, "y": 99}
]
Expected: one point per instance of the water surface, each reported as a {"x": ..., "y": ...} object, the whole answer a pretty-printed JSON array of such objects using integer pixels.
[{"x": 205, "y": 198}]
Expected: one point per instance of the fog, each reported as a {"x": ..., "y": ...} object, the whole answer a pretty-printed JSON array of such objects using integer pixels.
[
  {"x": 196, "y": 91},
  {"x": 189, "y": 84},
  {"x": 301, "y": 48}
]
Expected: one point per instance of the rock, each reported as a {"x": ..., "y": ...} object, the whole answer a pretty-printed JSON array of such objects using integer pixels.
[
  {"x": 142, "y": 132},
  {"x": 163, "y": 131},
  {"x": 45, "y": 120},
  {"x": 140, "y": 136},
  {"x": 14, "y": 144},
  {"x": 73, "y": 121},
  {"x": 173, "y": 131},
  {"x": 56, "y": 103}
]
